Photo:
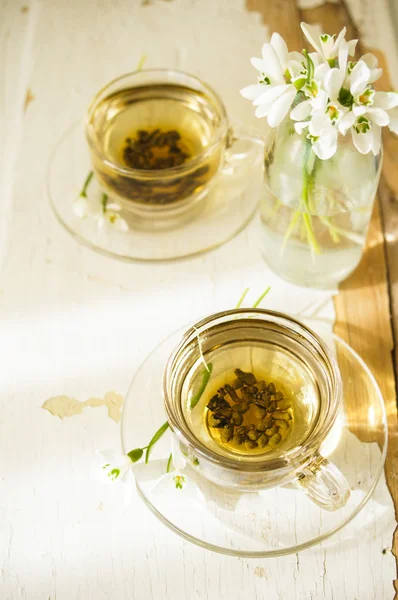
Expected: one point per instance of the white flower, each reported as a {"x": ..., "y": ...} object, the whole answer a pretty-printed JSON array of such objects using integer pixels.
[
  {"x": 335, "y": 94},
  {"x": 326, "y": 45},
  {"x": 323, "y": 135},
  {"x": 80, "y": 207},
  {"x": 273, "y": 95},
  {"x": 324, "y": 112},
  {"x": 176, "y": 479},
  {"x": 368, "y": 109},
  {"x": 393, "y": 114},
  {"x": 103, "y": 212},
  {"x": 109, "y": 216},
  {"x": 114, "y": 467},
  {"x": 371, "y": 62}
]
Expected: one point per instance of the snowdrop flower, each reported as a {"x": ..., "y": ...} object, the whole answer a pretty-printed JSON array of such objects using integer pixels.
[
  {"x": 104, "y": 213},
  {"x": 280, "y": 77},
  {"x": 326, "y": 45},
  {"x": 176, "y": 479},
  {"x": 114, "y": 465},
  {"x": 324, "y": 112},
  {"x": 372, "y": 63},
  {"x": 331, "y": 94},
  {"x": 111, "y": 466},
  {"x": 322, "y": 134},
  {"x": 368, "y": 109},
  {"x": 81, "y": 207},
  {"x": 393, "y": 125},
  {"x": 109, "y": 216},
  {"x": 365, "y": 129}
]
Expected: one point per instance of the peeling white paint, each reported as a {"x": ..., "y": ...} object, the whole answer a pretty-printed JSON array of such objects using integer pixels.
[
  {"x": 81, "y": 323},
  {"x": 64, "y": 406}
]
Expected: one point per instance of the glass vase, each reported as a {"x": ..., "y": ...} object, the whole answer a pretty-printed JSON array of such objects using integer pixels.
[{"x": 315, "y": 213}]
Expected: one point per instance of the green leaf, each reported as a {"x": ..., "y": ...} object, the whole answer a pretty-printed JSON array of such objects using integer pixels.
[
  {"x": 261, "y": 297},
  {"x": 243, "y": 296},
  {"x": 205, "y": 380},
  {"x": 155, "y": 438},
  {"x": 168, "y": 468},
  {"x": 141, "y": 62},
  {"x": 83, "y": 193},
  {"x": 135, "y": 454}
]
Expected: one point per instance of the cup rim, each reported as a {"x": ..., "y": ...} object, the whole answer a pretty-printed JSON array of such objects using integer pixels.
[
  {"x": 293, "y": 458},
  {"x": 168, "y": 172}
]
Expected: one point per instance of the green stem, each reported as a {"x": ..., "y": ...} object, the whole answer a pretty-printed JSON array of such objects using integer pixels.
[
  {"x": 83, "y": 193},
  {"x": 261, "y": 297},
  {"x": 155, "y": 438},
  {"x": 336, "y": 231},
  {"x": 291, "y": 227},
  {"x": 310, "y": 233},
  {"x": 308, "y": 178},
  {"x": 332, "y": 229},
  {"x": 168, "y": 468},
  {"x": 205, "y": 381},
  {"x": 243, "y": 296},
  {"x": 141, "y": 62},
  {"x": 104, "y": 202}
]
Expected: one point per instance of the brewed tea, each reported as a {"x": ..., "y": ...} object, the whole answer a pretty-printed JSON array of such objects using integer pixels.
[
  {"x": 260, "y": 399},
  {"x": 159, "y": 135},
  {"x": 248, "y": 414}
]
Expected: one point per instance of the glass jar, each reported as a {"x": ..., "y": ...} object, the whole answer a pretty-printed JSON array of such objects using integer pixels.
[
  {"x": 258, "y": 341},
  {"x": 315, "y": 213}
]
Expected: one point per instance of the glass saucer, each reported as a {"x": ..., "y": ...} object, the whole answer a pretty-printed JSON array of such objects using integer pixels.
[
  {"x": 277, "y": 521},
  {"x": 222, "y": 214}
]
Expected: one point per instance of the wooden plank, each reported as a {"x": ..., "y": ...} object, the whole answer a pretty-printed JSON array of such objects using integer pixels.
[
  {"x": 388, "y": 195},
  {"x": 281, "y": 16},
  {"x": 362, "y": 306}
]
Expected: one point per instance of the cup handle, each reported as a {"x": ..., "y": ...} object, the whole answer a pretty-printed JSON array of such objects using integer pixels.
[
  {"x": 242, "y": 145},
  {"x": 322, "y": 481}
]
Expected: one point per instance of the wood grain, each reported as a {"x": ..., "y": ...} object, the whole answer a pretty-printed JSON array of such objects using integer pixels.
[
  {"x": 281, "y": 16},
  {"x": 363, "y": 315},
  {"x": 77, "y": 323}
]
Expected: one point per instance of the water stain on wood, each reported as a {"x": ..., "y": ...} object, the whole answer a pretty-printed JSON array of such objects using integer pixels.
[
  {"x": 151, "y": 2},
  {"x": 29, "y": 97},
  {"x": 260, "y": 572}
]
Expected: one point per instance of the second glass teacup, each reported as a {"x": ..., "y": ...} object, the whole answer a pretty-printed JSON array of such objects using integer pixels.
[
  {"x": 250, "y": 396},
  {"x": 157, "y": 140}
]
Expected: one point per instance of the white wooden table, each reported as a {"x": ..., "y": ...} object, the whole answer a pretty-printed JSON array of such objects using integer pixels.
[{"x": 79, "y": 324}]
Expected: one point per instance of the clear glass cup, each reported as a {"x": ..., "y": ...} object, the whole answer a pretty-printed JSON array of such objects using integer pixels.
[
  {"x": 168, "y": 99},
  {"x": 292, "y": 353}
]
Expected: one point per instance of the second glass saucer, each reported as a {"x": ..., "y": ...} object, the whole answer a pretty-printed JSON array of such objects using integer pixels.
[{"x": 276, "y": 521}]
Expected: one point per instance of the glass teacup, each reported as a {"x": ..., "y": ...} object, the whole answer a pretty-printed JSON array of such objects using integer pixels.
[
  {"x": 280, "y": 353},
  {"x": 157, "y": 140}
]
